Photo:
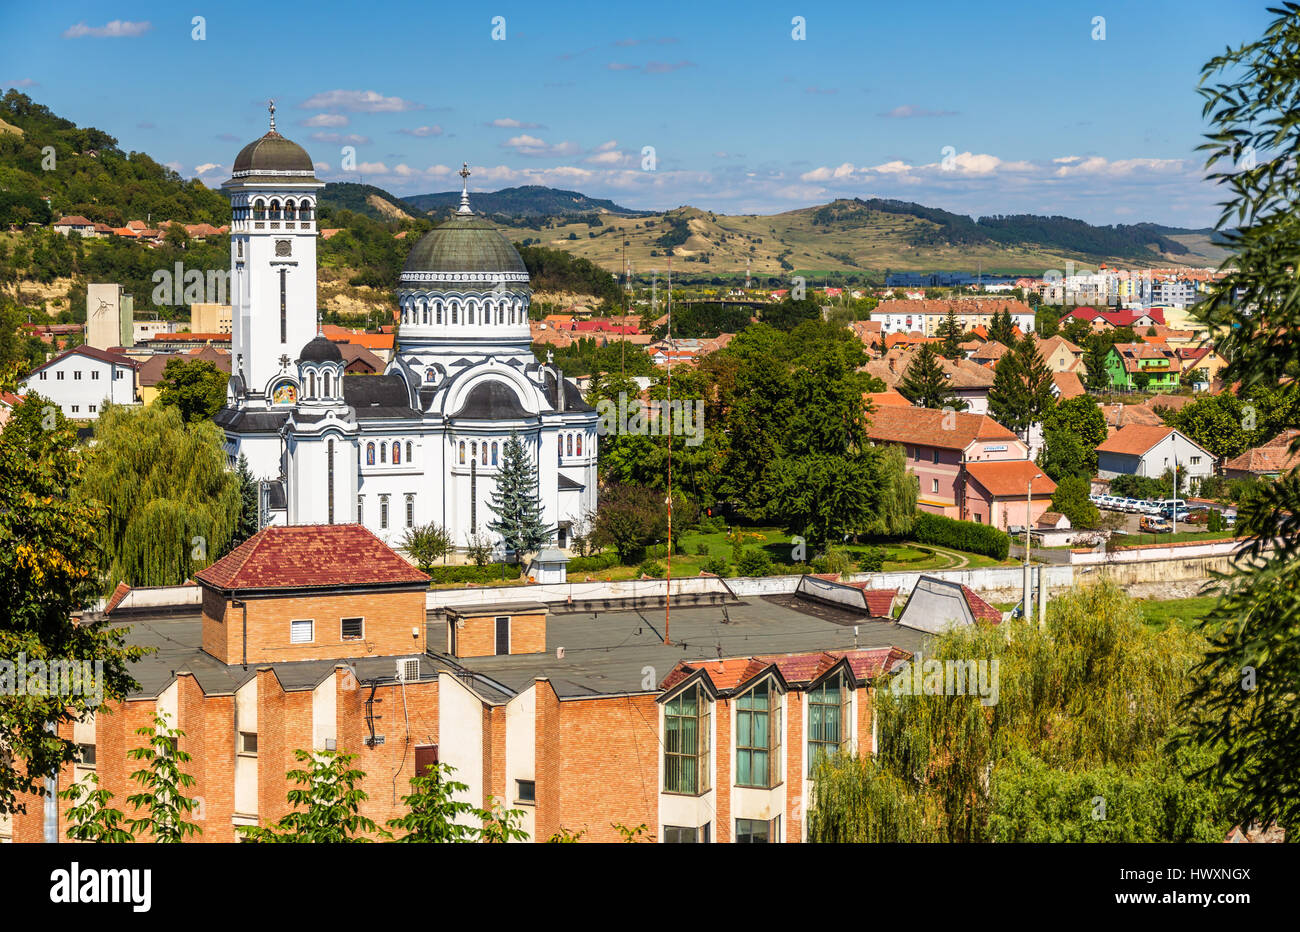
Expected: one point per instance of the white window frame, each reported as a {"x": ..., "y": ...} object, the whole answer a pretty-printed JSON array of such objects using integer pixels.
[
  {"x": 311, "y": 631},
  {"x": 361, "y": 636}
]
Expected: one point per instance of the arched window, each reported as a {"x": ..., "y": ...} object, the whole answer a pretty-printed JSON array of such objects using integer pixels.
[
  {"x": 430, "y": 374},
  {"x": 462, "y": 453},
  {"x": 469, "y": 313},
  {"x": 580, "y": 444},
  {"x": 275, "y": 210},
  {"x": 501, "y": 314},
  {"x": 304, "y": 210},
  {"x": 383, "y": 453},
  {"x": 259, "y": 209},
  {"x": 370, "y": 454},
  {"x": 484, "y": 458},
  {"x": 288, "y": 210},
  {"x": 424, "y": 313},
  {"x": 569, "y": 450},
  {"x": 494, "y": 453},
  {"x": 455, "y": 311},
  {"x": 328, "y": 386},
  {"x": 437, "y": 310},
  {"x": 311, "y": 385},
  {"x": 397, "y": 454},
  {"x": 408, "y": 451}
]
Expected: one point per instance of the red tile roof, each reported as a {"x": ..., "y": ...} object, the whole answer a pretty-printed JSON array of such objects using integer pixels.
[
  {"x": 90, "y": 351},
  {"x": 982, "y": 610},
  {"x": 1134, "y": 440},
  {"x": 926, "y": 426},
  {"x": 732, "y": 673},
  {"x": 1069, "y": 383},
  {"x": 887, "y": 397},
  {"x": 1010, "y": 478},
  {"x": 310, "y": 556},
  {"x": 1271, "y": 457}
]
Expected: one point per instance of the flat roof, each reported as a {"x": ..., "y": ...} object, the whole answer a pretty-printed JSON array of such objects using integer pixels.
[{"x": 605, "y": 652}]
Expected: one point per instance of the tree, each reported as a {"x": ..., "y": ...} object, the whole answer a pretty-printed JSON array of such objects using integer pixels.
[
  {"x": 162, "y": 785},
  {"x": 1064, "y": 455},
  {"x": 427, "y": 543},
  {"x": 434, "y": 809},
  {"x": 328, "y": 803},
  {"x": 925, "y": 383},
  {"x": 950, "y": 332},
  {"x": 518, "y": 509},
  {"x": 1039, "y": 397},
  {"x": 1096, "y": 351},
  {"x": 249, "y": 521},
  {"x": 171, "y": 503},
  {"x": 1071, "y": 499},
  {"x": 1002, "y": 328},
  {"x": 49, "y": 572},
  {"x": 195, "y": 386},
  {"x": 90, "y": 817},
  {"x": 629, "y": 519},
  {"x": 1008, "y": 397},
  {"x": 790, "y": 313},
  {"x": 1072, "y": 430}
]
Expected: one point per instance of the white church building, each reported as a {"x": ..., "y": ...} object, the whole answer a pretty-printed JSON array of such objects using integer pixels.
[{"x": 421, "y": 443}]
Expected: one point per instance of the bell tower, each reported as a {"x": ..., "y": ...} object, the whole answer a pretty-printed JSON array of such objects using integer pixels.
[{"x": 272, "y": 190}]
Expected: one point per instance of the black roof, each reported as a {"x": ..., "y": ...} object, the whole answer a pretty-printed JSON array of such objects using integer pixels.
[
  {"x": 491, "y": 401},
  {"x": 273, "y": 152},
  {"x": 572, "y": 397},
  {"x": 250, "y": 421},
  {"x": 320, "y": 349}
]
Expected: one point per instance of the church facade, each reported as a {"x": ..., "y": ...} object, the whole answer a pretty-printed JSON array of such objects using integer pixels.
[{"x": 423, "y": 441}]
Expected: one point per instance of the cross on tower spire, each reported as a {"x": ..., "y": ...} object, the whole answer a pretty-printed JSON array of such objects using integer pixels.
[
  {"x": 270, "y": 106},
  {"x": 464, "y": 190}
]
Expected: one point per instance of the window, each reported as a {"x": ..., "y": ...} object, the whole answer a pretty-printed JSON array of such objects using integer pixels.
[
  {"x": 311, "y": 385},
  {"x": 383, "y": 453},
  {"x": 483, "y": 459},
  {"x": 383, "y": 512},
  {"x": 86, "y": 755},
  {"x": 430, "y": 375},
  {"x": 580, "y": 444},
  {"x": 827, "y": 719},
  {"x": 934, "y": 485},
  {"x": 756, "y": 832},
  {"x": 93, "y": 408},
  {"x": 353, "y": 629},
  {"x": 1195, "y": 459},
  {"x": 408, "y": 451},
  {"x": 361, "y": 509},
  {"x": 758, "y": 737},
  {"x": 397, "y": 454},
  {"x": 58, "y": 376},
  {"x": 302, "y": 632},
  {"x": 44, "y": 375},
  {"x": 370, "y": 454},
  {"x": 686, "y": 742},
  {"x": 503, "y": 634},
  {"x": 569, "y": 446},
  {"x": 94, "y": 375},
  {"x": 685, "y": 835},
  {"x": 462, "y": 453},
  {"x": 494, "y": 453},
  {"x": 76, "y": 408},
  {"x": 936, "y": 455},
  {"x": 248, "y": 743},
  {"x": 410, "y": 510},
  {"x": 76, "y": 376},
  {"x": 526, "y": 791}
]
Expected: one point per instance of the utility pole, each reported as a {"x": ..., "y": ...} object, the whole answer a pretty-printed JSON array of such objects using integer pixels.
[
  {"x": 668, "y": 577},
  {"x": 1027, "y": 602}
]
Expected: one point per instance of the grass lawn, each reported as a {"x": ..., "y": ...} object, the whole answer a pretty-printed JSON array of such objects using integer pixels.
[{"x": 1185, "y": 612}]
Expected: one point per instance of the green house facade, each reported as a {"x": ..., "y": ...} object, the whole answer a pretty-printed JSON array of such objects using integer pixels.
[{"x": 1127, "y": 362}]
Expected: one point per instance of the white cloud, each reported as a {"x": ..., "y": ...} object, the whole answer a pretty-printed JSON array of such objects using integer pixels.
[
  {"x": 22, "y": 82},
  {"x": 373, "y": 168},
  {"x": 534, "y": 147},
  {"x": 358, "y": 102},
  {"x": 908, "y": 111},
  {"x": 117, "y": 29},
  {"x": 326, "y": 119},
  {"x": 422, "y": 132},
  {"x": 206, "y": 167},
  {"x": 509, "y": 123},
  {"x": 1096, "y": 165},
  {"x": 351, "y": 139}
]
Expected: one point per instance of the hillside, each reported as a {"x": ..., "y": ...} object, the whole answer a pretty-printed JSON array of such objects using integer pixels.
[
  {"x": 366, "y": 199},
  {"x": 525, "y": 201}
]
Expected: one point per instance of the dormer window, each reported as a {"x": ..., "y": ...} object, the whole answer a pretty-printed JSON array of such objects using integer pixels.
[
  {"x": 828, "y": 719},
  {"x": 686, "y": 742},
  {"x": 758, "y": 737}
]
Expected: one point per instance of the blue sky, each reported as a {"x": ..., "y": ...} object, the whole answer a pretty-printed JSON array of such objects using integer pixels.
[{"x": 1040, "y": 116}]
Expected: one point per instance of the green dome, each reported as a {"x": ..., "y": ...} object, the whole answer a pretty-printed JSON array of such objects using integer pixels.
[
  {"x": 464, "y": 244},
  {"x": 272, "y": 153}
]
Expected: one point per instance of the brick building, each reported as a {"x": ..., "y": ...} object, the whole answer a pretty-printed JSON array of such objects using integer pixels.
[{"x": 579, "y": 715}]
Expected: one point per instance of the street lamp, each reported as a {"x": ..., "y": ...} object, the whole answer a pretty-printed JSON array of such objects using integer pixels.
[{"x": 1028, "y": 611}]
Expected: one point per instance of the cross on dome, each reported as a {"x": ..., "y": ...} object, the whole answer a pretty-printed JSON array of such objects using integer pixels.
[
  {"x": 464, "y": 190},
  {"x": 270, "y": 107}
]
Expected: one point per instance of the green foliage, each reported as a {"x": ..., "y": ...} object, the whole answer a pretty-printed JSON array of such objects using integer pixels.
[
  {"x": 716, "y": 565},
  {"x": 471, "y": 573},
  {"x": 433, "y": 810},
  {"x": 327, "y": 801},
  {"x": 171, "y": 504},
  {"x": 1071, "y": 499},
  {"x": 629, "y": 519},
  {"x": 90, "y": 817},
  {"x": 652, "y": 568},
  {"x": 1021, "y": 395},
  {"x": 1144, "y": 487},
  {"x": 1072, "y": 430},
  {"x": 593, "y": 563},
  {"x": 873, "y": 561},
  {"x": 49, "y": 571},
  {"x": 950, "y": 332},
  {"x": 249, "y": 505},
  {"x": 754, "y": 562},
  {"x": 961, "y": 535},
  {"x": 589, "y": 356},
  {"x": 515, "y": 503},
  {"x": 556, "y": 270},
  {"x": 1002, "y": 328},
  {"x": 700, "y": 320},
  {"x": 1228, "y": 424},
  {"x": 925, "y": 384},
  {"x": 162, "y": 786},
  {"x": 195, "y": 387},
  {"x": 789, "y": 314},
  {"x": 1084, "y": 707},
  {"x": 427, "y": 543},
  {"x": 502, "y": 825}
]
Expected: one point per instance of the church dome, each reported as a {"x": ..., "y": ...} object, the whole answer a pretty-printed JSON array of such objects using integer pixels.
[
  {"x": 272, "y": 153},
  {"x": 320, "y": 349},
  {"x": 465, "y": 244}
]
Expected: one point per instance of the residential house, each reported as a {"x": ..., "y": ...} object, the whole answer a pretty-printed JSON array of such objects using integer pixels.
[
  {"x": 1141, "y": 366},
  {"x": 967, "y": 380},
  {"x": 1201, "y": 365},
  {"x": 81, "y": 226},
  {"x": 1152, "y": 451},
  {"x": 1111, "y": 320},
  {"x": 1119, "y": 416},
  {"x": 1001, "y": 493},
  {"x": 1267, "y": 461},
  {"x": 151, "y": 371},
  {"x": 1067, "y": 385},
  {"x": 82, "y": 379},
  {"x": 1060, "y": 354},
  {"x": 940, "y": 446},
  {"x": 925, "y": 315}
]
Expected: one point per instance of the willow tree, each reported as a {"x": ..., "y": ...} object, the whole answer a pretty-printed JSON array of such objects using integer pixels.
[
  {"x": 1092, "y": 697},
  {"x": 170, "y": 504}
]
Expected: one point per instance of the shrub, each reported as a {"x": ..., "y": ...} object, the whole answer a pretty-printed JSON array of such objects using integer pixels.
[
  {"x": 873, "y": 561},
  {"x": 717, "y": 566},
  {"x": 651, "y": 568},
  {"x": 702, "y": 550},
  {"x": 835, "y": 560},
  {"x": 493, "y": 572},
  {"x": 961, "y": 535},
  {"x": 594, "y": 563},
  {"x": 754, "y": 562}
]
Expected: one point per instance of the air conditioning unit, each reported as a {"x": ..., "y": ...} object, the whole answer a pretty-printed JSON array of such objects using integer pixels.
[{"x": 408, "y": 669}]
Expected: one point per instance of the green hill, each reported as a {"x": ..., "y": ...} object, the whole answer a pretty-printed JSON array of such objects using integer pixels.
[
  {"x": 525, "y": 201},
  {"x": 366, "y": 199}
]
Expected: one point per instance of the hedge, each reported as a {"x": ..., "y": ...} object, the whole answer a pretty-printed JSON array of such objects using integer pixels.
[
  {"x": 493, "y": 572},
  {"x": 961, "y": 535},
  {"x": 593, "y": 564}
]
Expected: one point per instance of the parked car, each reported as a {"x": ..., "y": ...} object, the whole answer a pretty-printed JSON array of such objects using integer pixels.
[{"x": 1151, "y": 525}]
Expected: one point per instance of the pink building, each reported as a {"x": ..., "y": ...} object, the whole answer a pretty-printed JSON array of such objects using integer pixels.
[{"x": 968, "y": 465}]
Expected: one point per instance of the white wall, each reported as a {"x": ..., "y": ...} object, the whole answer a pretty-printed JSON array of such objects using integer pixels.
[
  {"x": 521, "y": 751},
  {"x": 85, "y": 382},
  {"x": 460, "y": 738}
]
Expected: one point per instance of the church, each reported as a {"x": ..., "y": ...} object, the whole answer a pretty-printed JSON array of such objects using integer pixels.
[{"x": 422, "y": 442}]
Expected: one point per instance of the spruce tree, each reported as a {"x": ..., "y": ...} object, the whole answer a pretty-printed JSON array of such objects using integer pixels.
[
  {"x": 1002, "y": 328},
  {"x": 247, "y": 523},
  {"x": 1039, "y": 396},
  {"x": 950, "y": 331},
  {"x": 518, "y": 509},
  {"x": 926, "y": 384},
  {"x": 1008, "y": 400}
]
